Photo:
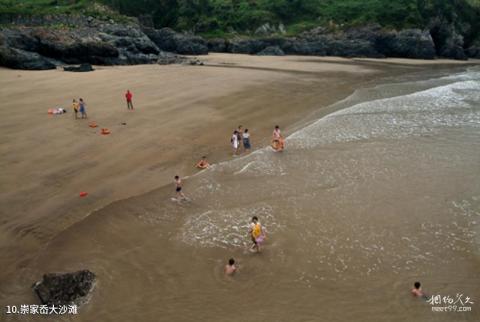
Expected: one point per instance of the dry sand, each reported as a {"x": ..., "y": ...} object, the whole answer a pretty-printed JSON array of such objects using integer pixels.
[{"x": 181, "y": 113}]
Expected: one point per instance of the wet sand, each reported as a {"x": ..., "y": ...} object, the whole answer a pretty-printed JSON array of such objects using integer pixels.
[{"x": 181, "y": 113}]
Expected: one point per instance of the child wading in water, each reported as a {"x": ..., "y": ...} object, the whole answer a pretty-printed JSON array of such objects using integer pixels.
[
  {"x": 203, "y": 163},
  {"x": 178, "y": 189},
  {"x": 257, "y": 234},
  {"x": 417, "y": 291},
  {"x": 235, "y": 143},
  {"x": 278, "y": 143},
  {"x": 230, "y": 268},
  {"x": 239, "y": 136},
  {"x": 246, "y": 140}
]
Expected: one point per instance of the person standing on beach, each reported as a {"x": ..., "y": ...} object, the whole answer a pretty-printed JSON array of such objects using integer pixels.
[
  {"x": 278, "y": 143},
  {"x": 75, "y": 108},
  {"x": 239, "y": 136},
  {"x": 234, "y": 141},
  {"x": 178, "y": 189},
  {"x": 256, "y": 234},
  {"x": 246, "y": 140},
  {"x": 277, "y": 135},
  {"x": 128, "y": 97},
  {"x": 82, "y": 108}
]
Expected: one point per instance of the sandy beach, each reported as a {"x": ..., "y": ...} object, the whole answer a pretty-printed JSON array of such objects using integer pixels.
[{"x": 181, "y": 113}]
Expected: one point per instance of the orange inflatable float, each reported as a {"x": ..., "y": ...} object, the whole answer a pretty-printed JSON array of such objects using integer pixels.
[
  {"x": 278, "y": 145},
  {"x": 105, "y": 131},
  {"x": 50, "y": 111},
  {"x": 83, "y": 194},
  {"x": 92, "y": 124}
]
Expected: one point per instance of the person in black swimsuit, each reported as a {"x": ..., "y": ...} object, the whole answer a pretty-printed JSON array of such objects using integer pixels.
[{"x": 178, "y": 189}]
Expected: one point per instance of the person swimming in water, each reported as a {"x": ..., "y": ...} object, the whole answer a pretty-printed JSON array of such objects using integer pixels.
[
  {"x": 230, "y": 268},
  {"x": 417, "y": 291},
  {"x": 203, "y": 163}
]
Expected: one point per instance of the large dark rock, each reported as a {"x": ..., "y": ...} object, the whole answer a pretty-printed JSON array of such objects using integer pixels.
[
  {"x": 448, "y": 42},
  {"x": 247, "y": 46},
  {"x": 473, "y": 51},
  {"x": 352, "y": 48},
  {"x": 139, "y": 58},
  {"x": 271, "y": 51},
  {"x": 21, "y": 59},
  {"x": 20, "y": 39},
  {"x": 81, "y": 68},
  {"x": 453, "y": 47},
  {"x": 76, "y": 52},
  {"x": 168, "y": 40},
  {"x": 167, "y": 58},
  {"x": 64, "y": 289},
  {"x": 217, "y": 45},
  {"x": 410, "y": 43},
  {"x": 304, "y": 47}
]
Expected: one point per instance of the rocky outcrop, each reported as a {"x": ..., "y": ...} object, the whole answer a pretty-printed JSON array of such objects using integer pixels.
[
  {"x": 64, "y": 289},
  {"x": 92, "y": 42},
  {"x": 81, "y": 68},
  {"x": 473, "y": 51},
  {"x": 448, "y": 42},
  {"x": 217, "y": 45},
  {"x": 271, "y": 51},
  {"x": 168, "y": 40},
  {"x": 367, "y": 41},
  {"x": 167, "y": 58},
  {"x": 410, "y": 43},
  {"x": 106, "y": 43},
  {"x": 21, "y": 59}
]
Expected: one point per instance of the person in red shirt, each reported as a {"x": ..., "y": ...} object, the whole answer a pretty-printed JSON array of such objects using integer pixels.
[{"x": 128, "y": 96}]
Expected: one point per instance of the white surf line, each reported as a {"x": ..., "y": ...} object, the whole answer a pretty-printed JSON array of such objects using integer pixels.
[{"x": 244, "y": 168}]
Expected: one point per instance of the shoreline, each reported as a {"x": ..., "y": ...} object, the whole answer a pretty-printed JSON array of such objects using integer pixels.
[{"x": 33, "y": 230}]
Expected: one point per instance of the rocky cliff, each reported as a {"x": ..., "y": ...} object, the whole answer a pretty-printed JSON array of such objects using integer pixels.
[
  {"x": 95, "y": 42},
  {"x": 37, "y": 47}
]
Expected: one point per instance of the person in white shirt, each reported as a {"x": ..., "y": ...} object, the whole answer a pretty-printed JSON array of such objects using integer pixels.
[{"x": 234, "y": 141}]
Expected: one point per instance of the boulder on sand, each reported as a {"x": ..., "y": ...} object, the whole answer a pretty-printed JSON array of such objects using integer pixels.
[
  {"x": 81, "y": 68},
  {"x": 64, "y": 289},
  {"x": 271, "y": 51}
]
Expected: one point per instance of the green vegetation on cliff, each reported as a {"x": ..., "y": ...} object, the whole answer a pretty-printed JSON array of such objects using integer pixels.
[
  {"x": 219, "y": 17},
  {"x": 93, "y": 8}
]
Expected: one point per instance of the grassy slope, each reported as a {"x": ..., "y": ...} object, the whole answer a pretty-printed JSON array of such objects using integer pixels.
[
  {"x": 53, "y": 7},
  {"x": 220, "y": 17}
]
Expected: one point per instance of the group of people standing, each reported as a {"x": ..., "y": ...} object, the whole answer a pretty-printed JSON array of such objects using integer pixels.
[
  {"x": 79, "y": 107},
  {"x": 240, "y": 138}
]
